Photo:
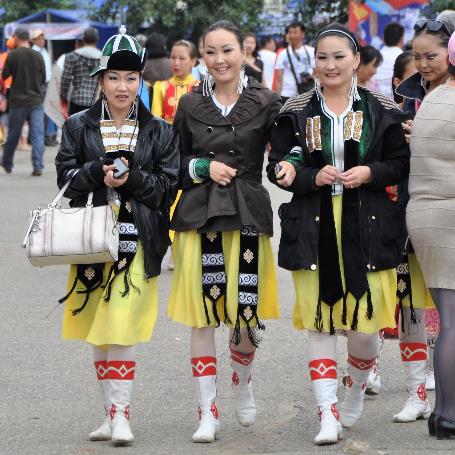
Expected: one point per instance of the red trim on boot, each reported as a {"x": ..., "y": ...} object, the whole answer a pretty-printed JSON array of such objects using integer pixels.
[
  {"x": 361, "y": 364},
  {"x": 121, "y": 369},
  {"x": 323, "y": 369},
  {"x": 241, "y": 358},
  {"x": 113, "y": 411},
  {"x": 422, "y": 392},
  {"x": 412, "y": 352},
  {"x": 203, "y": 366},
  {"x": 334, "y": 411},
  {"x": 214, "y": 410},
  {"x": 101, "y": 370}
]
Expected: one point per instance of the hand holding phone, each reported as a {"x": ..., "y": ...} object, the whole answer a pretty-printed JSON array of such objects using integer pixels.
[
  {"x": 278, "y": 170},
  {"x": 120, "y": 168}
]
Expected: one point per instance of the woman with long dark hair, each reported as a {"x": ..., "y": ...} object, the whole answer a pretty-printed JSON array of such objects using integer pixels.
[
  {"x": 254, "y": 67},
  {"x": 224, "y": 267},
  {"x": 419, "y": 321},
  {"x": 337, "y": 148},
  {"x": 430, "y": 221}
]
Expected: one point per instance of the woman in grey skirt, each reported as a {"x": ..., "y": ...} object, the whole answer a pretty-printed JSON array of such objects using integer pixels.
[{"x": 431, "y": 226}]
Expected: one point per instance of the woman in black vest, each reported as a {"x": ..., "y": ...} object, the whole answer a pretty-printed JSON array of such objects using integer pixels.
[{"x": 336, "y": 149}]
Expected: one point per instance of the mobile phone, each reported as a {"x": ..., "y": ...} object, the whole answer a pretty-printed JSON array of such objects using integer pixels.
[
  {"x": 277, "y": 169},
  {"x": 120, "y": 168}
]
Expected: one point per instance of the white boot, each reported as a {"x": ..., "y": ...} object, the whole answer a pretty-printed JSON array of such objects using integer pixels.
[
  {"x": 331, "y": 430},
  {"x": 417, "y": 405},
  {"x": 120, "y": 397},
  {"x": 429, "y": 379},
  {"x": 245, "y": 407},
  {"x": 374, "y": 382},
  {"x": 103, "y": 433},
  {"x": 208, "y": 412},
  {"x": 352, "y": 406},
  {"x": 324, "y": 382}
]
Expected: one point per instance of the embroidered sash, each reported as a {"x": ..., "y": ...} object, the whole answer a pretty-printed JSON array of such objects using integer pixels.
[{"x": 214, "y": 281}]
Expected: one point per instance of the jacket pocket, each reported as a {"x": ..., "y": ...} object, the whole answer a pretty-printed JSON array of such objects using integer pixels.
[
  {"x": 160, "y": 226},
  {"x": 391, "y": 223},
  {"x": 291, "y": 222}
]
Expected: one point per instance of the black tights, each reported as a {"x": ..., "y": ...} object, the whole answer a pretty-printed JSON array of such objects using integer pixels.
[{"x": 444, "y": 355}]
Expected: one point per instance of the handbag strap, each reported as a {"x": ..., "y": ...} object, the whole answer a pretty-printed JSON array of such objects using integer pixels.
[
  {"x": 292, "y": 67},
  {"x": 60, "y": 194},
  {"x": 307, "y": 56}
]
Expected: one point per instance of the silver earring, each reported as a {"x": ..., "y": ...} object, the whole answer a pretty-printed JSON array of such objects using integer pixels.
[
  {"x": 242, "y": 83},
  {"x": 317, "y": 87},
  {"x": 207, "y": 84},
  {"x": 353, "y": 92}
]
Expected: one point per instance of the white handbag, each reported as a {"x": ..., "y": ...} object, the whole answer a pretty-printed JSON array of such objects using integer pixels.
[{"x": 79, "y": 235}]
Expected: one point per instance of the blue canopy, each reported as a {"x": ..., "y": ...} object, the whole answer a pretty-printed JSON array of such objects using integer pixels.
[{"x": 63, "y": 24}]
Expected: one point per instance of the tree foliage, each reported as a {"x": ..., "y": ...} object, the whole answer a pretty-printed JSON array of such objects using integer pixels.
[
  {"x": 315, "y": 14},
  {"x": 182, "y": 18},
  {"x": 438, "y": 6}
]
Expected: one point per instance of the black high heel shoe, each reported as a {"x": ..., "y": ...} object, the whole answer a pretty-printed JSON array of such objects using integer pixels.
[
  {"x": 432, "y": 424},
  {"x": 445, "y": 429}
]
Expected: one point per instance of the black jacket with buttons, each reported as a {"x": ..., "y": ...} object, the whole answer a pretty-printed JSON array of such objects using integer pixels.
[
  {"x": 152, "y": 180},
  {"x": 381, "y": 220},
  {"x": 238, "y": 140}
]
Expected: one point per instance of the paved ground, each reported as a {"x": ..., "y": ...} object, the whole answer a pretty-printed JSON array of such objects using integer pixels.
[{"x": 49, "y": 396}]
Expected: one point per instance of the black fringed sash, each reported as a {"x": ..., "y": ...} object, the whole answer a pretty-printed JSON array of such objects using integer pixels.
[
  {"x": 330, "y": 280},
  {"x": 214, "y": 282},
  {"x": 128, "y": 238},
  {"x": 404, "y": 289},
  {"x": 91, "y": 276}
]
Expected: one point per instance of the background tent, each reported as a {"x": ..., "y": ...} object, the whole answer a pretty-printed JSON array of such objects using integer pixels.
[{"x": 61, "y": 27}]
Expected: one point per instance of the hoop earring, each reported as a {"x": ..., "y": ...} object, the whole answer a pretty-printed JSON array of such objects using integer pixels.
[
  {"x": 353, "y": 91},
  {"x": 207, "y": 84}
]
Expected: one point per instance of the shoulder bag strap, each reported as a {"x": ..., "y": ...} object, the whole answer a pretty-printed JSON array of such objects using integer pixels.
[
  {"x": 307, "y": 56},
  {"x": 292, "y": 67}
]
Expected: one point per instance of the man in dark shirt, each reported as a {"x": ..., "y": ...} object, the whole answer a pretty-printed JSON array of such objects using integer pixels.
[{"x": 26, "y": 98}]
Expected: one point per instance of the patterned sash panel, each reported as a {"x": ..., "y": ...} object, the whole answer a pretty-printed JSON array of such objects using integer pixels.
[{"x": 214, "y": 280}]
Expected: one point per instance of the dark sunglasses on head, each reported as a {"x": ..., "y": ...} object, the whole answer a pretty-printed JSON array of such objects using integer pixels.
[{"x": 432, "y": 25}]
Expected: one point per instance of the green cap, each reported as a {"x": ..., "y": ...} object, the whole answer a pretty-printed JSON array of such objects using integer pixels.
[{"x": 121, "y": 52}]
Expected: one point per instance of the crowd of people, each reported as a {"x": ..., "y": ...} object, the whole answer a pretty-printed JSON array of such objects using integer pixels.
[{"x": 362, "y": 138}]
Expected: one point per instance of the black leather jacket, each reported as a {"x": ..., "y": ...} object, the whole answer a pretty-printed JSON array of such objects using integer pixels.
[{"x": 152, "y": 181}]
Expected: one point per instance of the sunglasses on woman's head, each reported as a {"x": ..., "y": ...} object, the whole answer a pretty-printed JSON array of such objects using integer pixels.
[{"x": 432, "y": 25}]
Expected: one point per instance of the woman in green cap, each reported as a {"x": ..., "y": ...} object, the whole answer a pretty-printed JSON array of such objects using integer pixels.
[{"x": 113, "y": 306}]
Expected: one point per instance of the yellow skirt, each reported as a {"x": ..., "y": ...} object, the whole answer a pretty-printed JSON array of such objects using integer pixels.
[
  {"x": 421, "y": 297},
  {"x": 123, "y": 320},
  {"x": 186, "y": 302},
  {"x": 173, "y": 206},
  {"x": 383, "y": 286}
]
